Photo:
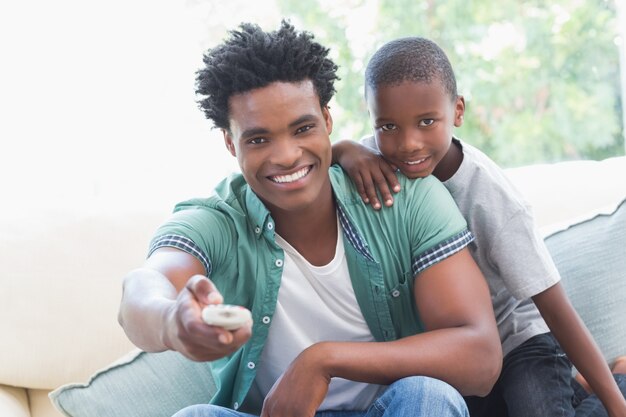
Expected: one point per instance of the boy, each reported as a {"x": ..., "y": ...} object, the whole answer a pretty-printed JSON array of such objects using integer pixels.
[
  {"x": 349, "y": 314},
  {"x": 410, "y": 89}
]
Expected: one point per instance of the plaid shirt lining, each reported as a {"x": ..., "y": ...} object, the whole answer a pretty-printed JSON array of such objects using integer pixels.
[
  {"x": 354, "y": 239},
  {"x": 441, "y": 251},
  {"x": 184, "y": 244}
]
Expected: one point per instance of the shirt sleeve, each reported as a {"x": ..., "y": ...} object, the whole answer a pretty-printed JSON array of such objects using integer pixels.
[
  {"x": 437, "y": 228},
  {"x": 201, "y": 232},
  {"x": 521, "y": 257}
]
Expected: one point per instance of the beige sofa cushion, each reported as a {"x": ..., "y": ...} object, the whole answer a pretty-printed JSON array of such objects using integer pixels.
[
  {"x": 13, "y": 402},
  {"x": 61, "y": 286}
]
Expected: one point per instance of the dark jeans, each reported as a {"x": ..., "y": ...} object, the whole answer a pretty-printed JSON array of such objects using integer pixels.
[{"x": 536, "y": 381}]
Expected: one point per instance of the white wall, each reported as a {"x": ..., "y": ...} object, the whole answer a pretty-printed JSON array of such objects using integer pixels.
[{"x": 97, "y": 102}]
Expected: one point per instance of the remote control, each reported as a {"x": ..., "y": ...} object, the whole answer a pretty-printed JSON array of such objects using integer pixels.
[{"x": 230, "y": 317}]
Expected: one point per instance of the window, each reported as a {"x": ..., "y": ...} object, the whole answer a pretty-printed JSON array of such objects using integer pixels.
[
  {"x": 98, "y": 104},
  {"x": 541, "y": 80}
]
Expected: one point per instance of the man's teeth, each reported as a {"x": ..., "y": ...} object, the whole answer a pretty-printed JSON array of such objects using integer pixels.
[
  {"x": 291, "y": 177},
  {"x": 415, "y": 162}
]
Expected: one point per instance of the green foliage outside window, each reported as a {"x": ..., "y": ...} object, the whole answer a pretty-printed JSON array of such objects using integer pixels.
[{"x": 541, "y": 81}]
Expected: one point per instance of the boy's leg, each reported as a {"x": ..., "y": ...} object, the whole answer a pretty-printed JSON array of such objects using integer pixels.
[
  {"x": 208, "y": 410},
  {"x": 419, "y": 396},
  {"x": 536, "y": 379},
  {"x": 619, "y": 367},
  {"x": 491, "y": 405},
  {"x": 589, "y": 405},
  {"x": 586, "y": 403},
  {"x": 583, "y": 382}
]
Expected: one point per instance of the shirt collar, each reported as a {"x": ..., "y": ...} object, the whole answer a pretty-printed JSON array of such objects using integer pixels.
[{"x": 260, "y": 218}]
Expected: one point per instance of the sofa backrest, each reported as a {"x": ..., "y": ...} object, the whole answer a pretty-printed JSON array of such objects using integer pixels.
[{"x": 62, "y": 270}]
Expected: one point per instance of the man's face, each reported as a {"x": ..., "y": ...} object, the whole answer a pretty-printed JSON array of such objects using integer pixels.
[
  {"x": 280, "y": 137},
  {"x": 413, "y": 124}
]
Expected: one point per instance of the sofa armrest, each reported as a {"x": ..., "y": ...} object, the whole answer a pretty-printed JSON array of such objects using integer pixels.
[
  {"x": 13, "y": 402},
  {"x": 40, "y": 404},
  {"x": 61, "y": 287}
]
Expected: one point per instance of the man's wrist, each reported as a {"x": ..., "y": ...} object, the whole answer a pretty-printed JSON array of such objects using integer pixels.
[{"x": 168, "y": 325}]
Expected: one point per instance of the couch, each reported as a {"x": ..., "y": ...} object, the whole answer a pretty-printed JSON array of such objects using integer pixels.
[{"x": 61, "y": 283}]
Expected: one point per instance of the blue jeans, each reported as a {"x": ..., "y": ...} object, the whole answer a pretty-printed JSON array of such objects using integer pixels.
[
  {"x": 417, "y": 396},
  {"x": 536, "y": 381}
]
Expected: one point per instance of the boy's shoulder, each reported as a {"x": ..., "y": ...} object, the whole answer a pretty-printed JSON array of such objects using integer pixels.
[
  {"x": 477, "y": 169},
  {"x": 482, "y": 182},
  {"x": 474, "y": 155}
]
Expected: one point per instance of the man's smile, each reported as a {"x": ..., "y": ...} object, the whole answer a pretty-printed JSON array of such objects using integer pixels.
[{"x": 301, "y": 173}]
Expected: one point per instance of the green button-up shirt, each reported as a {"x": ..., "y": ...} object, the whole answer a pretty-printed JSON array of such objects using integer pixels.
[{"x": 232, "y": 234}]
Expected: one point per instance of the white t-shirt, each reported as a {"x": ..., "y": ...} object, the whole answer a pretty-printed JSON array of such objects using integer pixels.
[{"x": 315, "y": 304}]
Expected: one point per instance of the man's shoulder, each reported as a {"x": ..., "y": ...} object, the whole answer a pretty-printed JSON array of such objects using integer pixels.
[
  {"x": 416, "y": 195},
  {"x": 416, "y": 191},
  {"x": 210, "y": 222},
  {"x": 340, "y": 178},
  {"x": 230, "y": 192},
  {"x": 345, "y": 187}
]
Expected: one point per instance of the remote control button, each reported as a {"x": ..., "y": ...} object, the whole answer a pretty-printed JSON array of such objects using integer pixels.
[{"x": 227, "y": 316}]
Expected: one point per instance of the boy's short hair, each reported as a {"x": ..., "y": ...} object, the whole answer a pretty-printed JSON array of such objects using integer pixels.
[
  {"x": 252, "y": 58},
  {"x": 411, "y": 59}
]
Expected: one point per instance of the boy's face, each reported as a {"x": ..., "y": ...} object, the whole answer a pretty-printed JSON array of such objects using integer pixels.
[
  {"x": 413, "y": 124},
  {"x": 280, "y": 137}
]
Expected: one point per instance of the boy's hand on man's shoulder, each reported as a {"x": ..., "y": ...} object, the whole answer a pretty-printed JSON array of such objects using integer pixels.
[{"x": 369, "y": 172}]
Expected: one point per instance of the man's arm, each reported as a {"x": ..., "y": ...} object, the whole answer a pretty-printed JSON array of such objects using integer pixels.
[
  {"x": 161, "y": 308},
  {"x": 578, "y": 344},
  {"x": 461, "y": 345}
]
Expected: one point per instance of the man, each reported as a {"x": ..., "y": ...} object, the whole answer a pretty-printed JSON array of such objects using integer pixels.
[{"x": 353, "y": 310}]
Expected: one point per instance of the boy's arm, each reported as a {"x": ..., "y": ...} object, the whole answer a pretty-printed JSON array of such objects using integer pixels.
[
  {"x": 520, "y": 236},
  {"x": 578, "y": 344},
  {"x": 161, "y": 308},
  {"x": 461, "y": 345},
  {"x": 368, "y": 170}
]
